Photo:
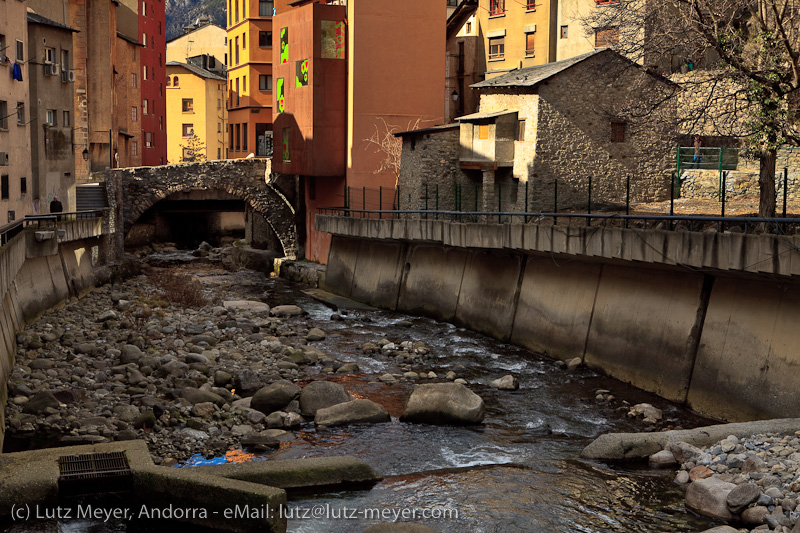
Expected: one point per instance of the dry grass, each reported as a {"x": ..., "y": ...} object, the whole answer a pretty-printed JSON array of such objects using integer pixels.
[{"x": 177, "y": 289}]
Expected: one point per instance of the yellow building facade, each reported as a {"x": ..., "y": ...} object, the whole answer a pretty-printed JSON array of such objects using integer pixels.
[
  {"x": 517, "y": 33},
  {"x": 196, "y": 113},
  {"x": 205, "y": 40}
]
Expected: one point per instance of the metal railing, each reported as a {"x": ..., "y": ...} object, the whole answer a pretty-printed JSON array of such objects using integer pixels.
[
  {"x": 9, "y": 231},
  {"x": 781, "y": 226}
]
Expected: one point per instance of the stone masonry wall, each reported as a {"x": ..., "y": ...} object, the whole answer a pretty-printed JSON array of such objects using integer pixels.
[{"x": 249, "y": 179}]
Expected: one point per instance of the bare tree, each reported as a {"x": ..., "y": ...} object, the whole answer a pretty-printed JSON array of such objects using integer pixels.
[
  {"x": 383, "y": 141},
  {"x": 737, "y": 63}
]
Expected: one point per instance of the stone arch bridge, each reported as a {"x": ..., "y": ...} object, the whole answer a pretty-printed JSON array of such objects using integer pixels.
[{"x": 132, "y": 191}]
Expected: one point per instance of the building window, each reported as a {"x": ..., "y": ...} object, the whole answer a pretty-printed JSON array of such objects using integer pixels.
[
  {"x": 521, "y": 130},
  {"x": 188, "y": 154},
  {"x": 3, "y": 115},
  {"x": 265, "y": 82},
  {"x": 49, "y": 55},
  {"x": 169, "y": 81},
  {"x": 617, "y": 131},
  {"x": 64, "y": 60},
  {"x": 160, "y": 123},
  {"x": 244, "y": 41},
  {"x": 2, "y": 49},
  {"x": 265, "y": 39},
  {"x": 4, "y": 187},
  {"x": 134, "y": 114},
  {"x": 497, "y": 7},
  {"x": 20, "y": 113},
  {"x": 187, "y": 105},
  {"x": 52, "y": 119},
  {"x": 483, "y": 132},
  {"x": 236, "y": 10},
  {"x": 148, "y": 139},
  {"x": 144, "y": 38},
  {"x": 160, "y": 61},
  {"x": 134, "y": 148},
  {"x": 530, "y": 5},
  {"x": 244, "y": 136},
  {"x": 20, "y": 52},
  {"x": 144, "y": 73},
  {"x": 175, "y": 81},
  {"x": 219, "y": 153},
  {"x": 563, "y": 32},
  {"x": 230, "y": 137},
  {"x": 236, "y": 49},
  {"x": 469, "y": 28},
  {"x": 144, "y": 9},
  {"x": 23, "y": 185},
  {"x": 134, "y": 80},
  {"x": 145, "y": 107},
  {"x": 606, "y": 37},
  {"x": 452, "y": 3},
  {"x": 529, "y": 48},
  {"x": 497, "y": 47},
  {"x": 188, "y": 130},
  {"x": 265, "y": 8},
  {"x": 219, "y": 103},
  {"x": 238, "y": 137},
  {"x": 65, "y": 122}
]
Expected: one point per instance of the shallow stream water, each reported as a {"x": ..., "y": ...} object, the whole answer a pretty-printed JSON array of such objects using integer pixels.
[{"x": 518, "y": 471}]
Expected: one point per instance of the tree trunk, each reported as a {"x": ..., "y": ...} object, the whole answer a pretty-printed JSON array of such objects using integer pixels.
[{"x": 766, "y": 183}]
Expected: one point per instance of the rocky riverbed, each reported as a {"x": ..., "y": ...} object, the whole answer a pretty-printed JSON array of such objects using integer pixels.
[{"x": 751, "y": 482}]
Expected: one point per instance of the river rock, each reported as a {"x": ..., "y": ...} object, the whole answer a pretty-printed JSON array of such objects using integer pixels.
[
  {"x": 194, "y": 396},
  {"x": 107, "y": 315},
  {"x": 507, "y": 382},
  {"x": 283, "y": 419},
  {"x": 752, "y": 464},
  {"x": 126, "y": 413},
  {"x": 685, "y": 453},
  {"x": 247, "y": 305},
  {"x": 315, "y": 334},
  {"x": 286, "y": 310},
  {"x": 259, "y": 441},
  {"x": 444, "y": 403},
  {"x": 247, "y": 383},
  {"x": 360, "y": 411},
  {"x": 721, "y": 529},
  {"x": 145, "y": 420},
  {"x": 742, "y": 496},
  {"x": 709, "y": 496},
  {"x": 321, "y": 394},
  {"x": 203, "y": 409},
  {"x": 222, "y": 378},
  {"x": 348, "y": 368},
  {"x": 573, "y": 363},
  {"x": 662, "y": 459},
  {"x": 700, "y": 472},
  {"x": 275, "y": 396},
  {"x": 130, "y": 354},
  {"x": 40, "y": 401},
  {"x": 650, "y": 413}
]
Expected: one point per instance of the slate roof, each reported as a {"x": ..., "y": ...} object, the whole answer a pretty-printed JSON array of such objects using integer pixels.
[
  {"x": 203, "y": 73},
  {"x": 530, "y": 76},
  {"x": 38, "y": 19}
]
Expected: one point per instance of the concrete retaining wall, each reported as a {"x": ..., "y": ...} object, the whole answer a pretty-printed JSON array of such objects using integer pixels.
[
  {"x": 724, "y": 343},
  {"x": 31, "y": 283}
]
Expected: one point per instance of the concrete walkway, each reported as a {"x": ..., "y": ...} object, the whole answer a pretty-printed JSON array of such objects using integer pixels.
[{"x": 244, "y": 497}]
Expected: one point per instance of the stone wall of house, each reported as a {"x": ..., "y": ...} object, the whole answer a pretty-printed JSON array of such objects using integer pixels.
[{"x": 707, "y": 184}]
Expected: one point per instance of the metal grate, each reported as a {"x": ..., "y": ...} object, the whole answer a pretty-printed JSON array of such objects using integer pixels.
[{"x": 94, "y": 473}]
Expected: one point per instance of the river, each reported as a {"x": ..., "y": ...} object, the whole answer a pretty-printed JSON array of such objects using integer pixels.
[{"x": 518, "y": 471}]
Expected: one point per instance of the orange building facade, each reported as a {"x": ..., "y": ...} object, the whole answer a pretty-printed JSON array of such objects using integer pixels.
[
  {"x": 341, "y": 78},
  {"x": 250, "y": 79}
]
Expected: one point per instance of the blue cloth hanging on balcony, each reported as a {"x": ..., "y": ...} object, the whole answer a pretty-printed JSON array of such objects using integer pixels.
[{"x": 16, "y": 72}]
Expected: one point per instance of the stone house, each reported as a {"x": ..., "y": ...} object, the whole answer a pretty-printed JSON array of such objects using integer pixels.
[{"x": 542, "y": 134}]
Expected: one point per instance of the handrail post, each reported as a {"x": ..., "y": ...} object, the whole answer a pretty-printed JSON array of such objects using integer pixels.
[
  {"x": 589, "y": 204},
  {"x": 627, "y": 198},
  {"x": 555, "y": 200},
  {"x": 724, "y": 179},
  {"x": 671, "y": 199},
  {"x": 785, "y": 187}
]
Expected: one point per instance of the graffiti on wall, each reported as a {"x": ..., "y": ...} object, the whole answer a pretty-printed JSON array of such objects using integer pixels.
[
  {"x": 333, "y": 34},
  {"x": 284, "y": 46},
  {"x": 279, "y": 95},
  {"x": 301, "y": 73},
  {"x": 286, "y": 133}
]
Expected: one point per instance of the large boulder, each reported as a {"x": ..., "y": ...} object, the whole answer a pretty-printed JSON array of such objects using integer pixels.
[
  {"x": 359, "y": 411},
  {"x": 130, "y": 354},
  {"x": 742, "y": 496},
  {"x": 247, "y": 383},
  {"x": 444, "y": 403},
  {"x": 40, "y": 401},
  {"x": 195, "y": 396},
  {"x": 275, "y": 396},
  {"x": 709, "y": 497},
  {"x": 320, "y": 394}
]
